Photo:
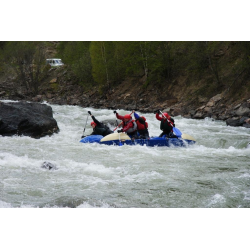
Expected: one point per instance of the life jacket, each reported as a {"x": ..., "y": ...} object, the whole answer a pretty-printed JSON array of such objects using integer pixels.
[
  {"x": 141, "y": 123},
  {"x": 102, "y": 130},
  {"x": 130, "y": 130},
  {"x": 99, "y": 130},
  {"x": 166, "y": 126},
  {"x": 172, "y": 121}
]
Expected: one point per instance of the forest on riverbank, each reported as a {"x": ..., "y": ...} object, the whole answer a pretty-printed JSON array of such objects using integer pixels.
[
  {"x": 106, "y": 64},
  {"x": 193, "y": 78},
  {"x": 222, "y": 64}
]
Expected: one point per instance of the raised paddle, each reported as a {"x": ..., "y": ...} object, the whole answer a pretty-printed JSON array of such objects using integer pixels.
[
  {"x": 117, "y": 126},
  {"x": 85, "y": 126},
  {"x": 120, "y": 143},
  {"x": 177, "y": 132}
]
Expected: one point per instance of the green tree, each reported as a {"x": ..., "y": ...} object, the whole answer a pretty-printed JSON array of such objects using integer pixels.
[
  {"x": 135, "y": 58},
  {"x": 244, "y": 48},
  {"x": 76, "y": 56},
  {"x": 241, "y": 69},
  {"x": 2, "y": 44},
  {"x": 204, "y": 59},
  {"x": 103, "y": 60},
  {"x": 214, "y": 60},
  {"x": 162, "y": 63},
  {"x": 198, "y": 57},
  {"x": 27, "y": 59},
  {"x": 120, "y": 65}
]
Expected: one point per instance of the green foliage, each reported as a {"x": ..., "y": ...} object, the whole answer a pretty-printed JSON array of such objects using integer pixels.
[
  {"x": 77, "y": 57},
  {"x": 104, "y": 63},
  {"x": 111, "y": 62},
  {"x": 27, "y": 59},
  {"x": 161, "y": 62},
  {"x": 244, "y": 48},
  {"x": 108, "y": 63},
  {"x": 198, "y": 57},
  {"x": 55, "y": 86},
  {"x": 2, "y": 45}
]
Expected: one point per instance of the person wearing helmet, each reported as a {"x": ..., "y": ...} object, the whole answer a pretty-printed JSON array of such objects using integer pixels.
[
  {"x": 128, "y": 125},
  {"x": 98, "y": 127},
  {"x": 167, "y": 124},
  {"x": 142, "y": 126}
]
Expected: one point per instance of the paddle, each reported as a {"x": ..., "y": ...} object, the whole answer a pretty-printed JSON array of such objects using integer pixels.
[
  {"x": 177, "y": 132},
  {"x": 120, "y": 123},
  {"x": 85, "y": 126},
  {"x": 120, "y": 143},
  {"x": 117, "y": 126}
]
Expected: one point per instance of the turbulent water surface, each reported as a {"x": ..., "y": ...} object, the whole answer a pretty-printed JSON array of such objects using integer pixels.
[{"x": 213, "y": 173}]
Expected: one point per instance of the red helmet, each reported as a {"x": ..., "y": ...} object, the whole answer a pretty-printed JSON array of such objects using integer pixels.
[
  {"x": 127, "y": 117},
  {"x": 143, "y": 118},
  {"x": 93, "y": 123},
  {"x": 166, "y": 115}
]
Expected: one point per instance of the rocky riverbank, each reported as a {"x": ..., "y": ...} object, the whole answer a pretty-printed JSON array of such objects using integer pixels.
[{"x": 60, "y": 88}]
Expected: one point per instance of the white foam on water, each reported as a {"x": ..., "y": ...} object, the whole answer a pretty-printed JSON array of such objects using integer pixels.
[
  {"x": 87, "y": 205},
  {"x": 217, "y": 198},
  {"x": 5, "y": 204},
  {"x": 124, "y": 176}
]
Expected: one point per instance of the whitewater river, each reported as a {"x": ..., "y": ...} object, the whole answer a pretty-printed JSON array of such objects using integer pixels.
[{"x": 213, "y": 173}]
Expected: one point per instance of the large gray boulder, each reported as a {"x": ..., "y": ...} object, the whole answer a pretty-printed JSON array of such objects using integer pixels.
[
  {"x": 236, "y": 122},
  {"x": 30, "y": 119}
]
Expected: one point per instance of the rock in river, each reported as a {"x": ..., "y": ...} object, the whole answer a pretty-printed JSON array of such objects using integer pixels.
[
  {"x": 48, "y": 165},
  {"x": 30, "y": 119}
]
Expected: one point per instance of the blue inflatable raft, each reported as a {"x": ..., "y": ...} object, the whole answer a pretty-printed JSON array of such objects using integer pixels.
[{"x": 123, "y": 139}]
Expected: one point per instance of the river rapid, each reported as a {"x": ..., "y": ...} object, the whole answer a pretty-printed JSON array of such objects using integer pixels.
[{"x": 213, "y": 173}]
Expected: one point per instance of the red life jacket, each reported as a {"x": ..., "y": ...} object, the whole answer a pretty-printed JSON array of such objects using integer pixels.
[
  {"x": 132, "y": 126},
  {"x": 141, "y": 126}
]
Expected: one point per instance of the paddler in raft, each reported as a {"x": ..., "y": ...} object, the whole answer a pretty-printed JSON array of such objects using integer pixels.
[
  {"x": 98, "y": 127},
  {"x": 142, "y": 126},
  {"x": 129, "y": 126},
  {"x": 167, "y": 124}
]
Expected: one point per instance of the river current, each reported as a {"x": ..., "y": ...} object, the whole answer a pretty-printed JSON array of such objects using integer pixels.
[{"x": 215, "y": 172}]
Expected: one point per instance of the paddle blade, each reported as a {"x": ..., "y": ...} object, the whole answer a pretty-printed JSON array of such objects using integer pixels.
[
  {"x": 120, "y": 143},
  {"x": 177, "y": 132}
]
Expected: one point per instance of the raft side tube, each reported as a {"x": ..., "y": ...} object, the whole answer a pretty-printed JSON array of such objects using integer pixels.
[
  {"x": 91, "y": 139},
  {"x": 115, "y": 136},
  {"x": 187, "y": 137}
]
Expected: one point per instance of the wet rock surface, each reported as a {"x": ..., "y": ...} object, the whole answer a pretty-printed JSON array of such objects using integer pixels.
[
  {"x": 29, "y": 119},
  {"x": 49, "y": 166}
]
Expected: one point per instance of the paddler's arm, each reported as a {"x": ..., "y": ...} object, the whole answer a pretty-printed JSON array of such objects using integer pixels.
[
  {"x": 158, "y": 117},
  {"x": 120, "y": 117},
  {"x": 136, "y": 115},
  {"x": 94, "y": 119}
]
